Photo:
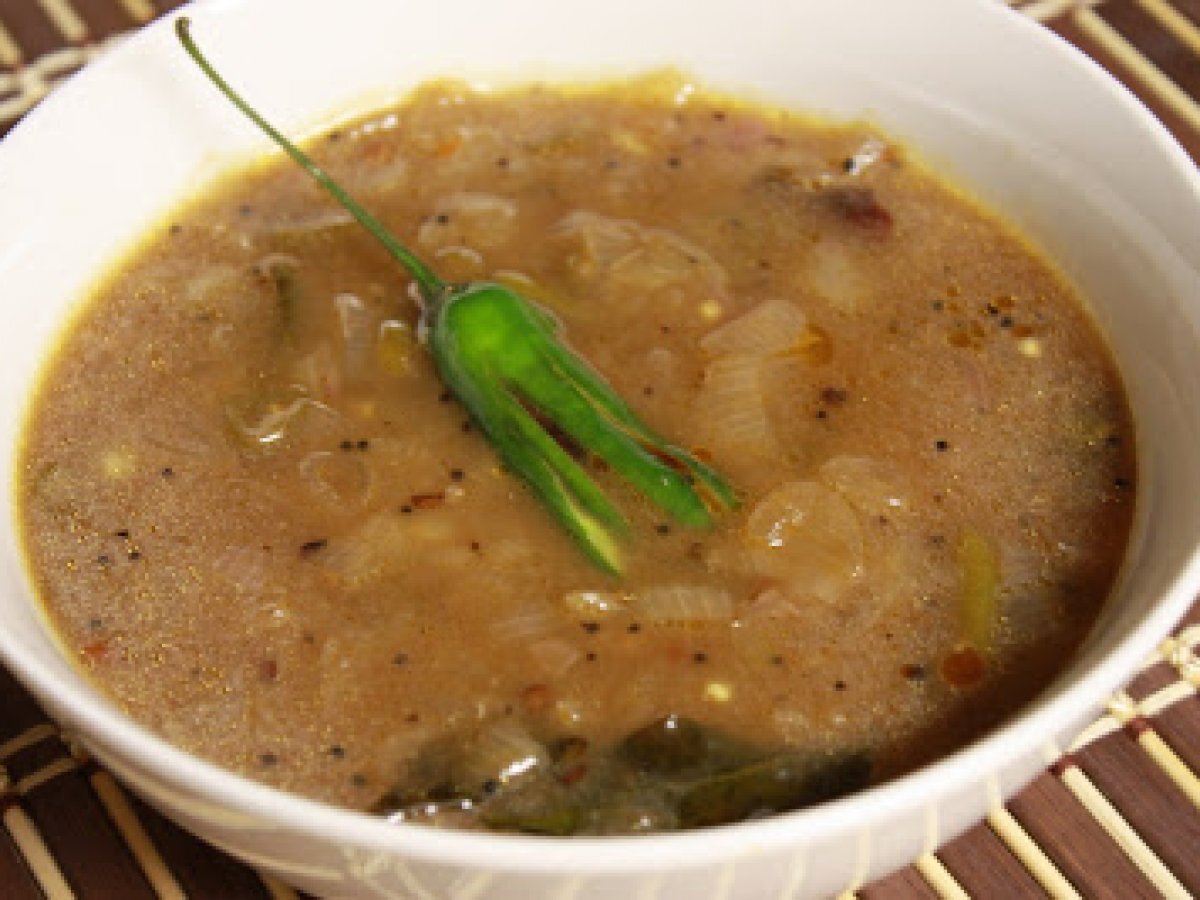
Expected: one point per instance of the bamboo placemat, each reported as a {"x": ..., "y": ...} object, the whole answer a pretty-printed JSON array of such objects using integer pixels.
[{"x": 1118, "y": 816}]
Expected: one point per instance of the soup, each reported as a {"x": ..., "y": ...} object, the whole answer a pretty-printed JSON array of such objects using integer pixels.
[{"x": 264, "y": 526}]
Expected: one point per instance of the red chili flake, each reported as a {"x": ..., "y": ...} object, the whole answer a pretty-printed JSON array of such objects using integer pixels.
[
  {"x": 537, "y": 697},
  {"x": 834, "y": 396},
  {"x": 963, "y": 667},
  {"x": 573, "y": 774},
  {"x": 860, "y": 207},
  {"x": 427, "y": 501},
  {"x": 95, "y": 651}
]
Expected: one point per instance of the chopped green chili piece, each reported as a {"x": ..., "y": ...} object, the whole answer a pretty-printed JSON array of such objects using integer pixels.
[{"x": 502, "y": 358}]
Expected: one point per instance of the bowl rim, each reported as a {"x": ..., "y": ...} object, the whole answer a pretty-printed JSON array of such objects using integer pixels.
[{"x": 91, "y": 714}]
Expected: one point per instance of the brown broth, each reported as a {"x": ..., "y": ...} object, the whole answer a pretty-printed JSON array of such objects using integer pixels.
[{"x": 259, "y": 522}]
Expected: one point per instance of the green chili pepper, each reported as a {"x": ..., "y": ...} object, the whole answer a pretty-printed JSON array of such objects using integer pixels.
[{"x": 501, "y": 357}]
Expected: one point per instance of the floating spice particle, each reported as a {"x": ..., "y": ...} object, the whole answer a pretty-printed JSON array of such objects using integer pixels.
[
  {"x": 308, "y": 548},
  {"x": 457, "y": 474},
  {"x": 346, "y": 445},
  {"x": 633, "y": 628},
  {"x": 834, "y": 395},
  {"x": 1113, "y": 440},
  {"x": 590, "y": 627},
  {"x": 427, "y": 501},
  {"x": 268, "y": 670},
  {"x": 590, "y": 656},
  {"x": 442, "y": 219},
  {"x": 400, "y": 659},
  {"x": 363, "y": 444},
  {"x": 413, "y": 718},
  {"x": 1007, "y": 322},
  {"x": 718, "y": 691},
  {"x": 648, "y": 391},
  {"x": 490, "y": 786},
  {"x": 135, "y": 554},
  {"x": 123, "y": 533},
  {"x": 358, "y": 779},
  {"x": 822, "y": 414},
  {"x": 168, "y": 472},
  {"x": 406, "y": 509},
  {"x": 502, "y": 162},
  {"x": 268, "y": 759},
  {"x": 941, "y": 446},
  {"x": 537, "y": 697},
  {"x": 1029, "y": 347},
  {"x": 674, "y": 162},
  {"x": 839, "y": 685},
  {"x": 175, "y": 230},
  {"x": 777, "y": 660},
  {"x": 1122, "y": 484},
  {"x": 104, "y": 559},
  {"x": 963, "y": 667},
  {"x": 700, "y": 657},
  {"x": 445, "y": 396},
  {"x": 914, "y": 671},
  {"x": 476, "y": 547},
  {"x": 662, "y": 528},
  {"x": 337, "y": 751}
]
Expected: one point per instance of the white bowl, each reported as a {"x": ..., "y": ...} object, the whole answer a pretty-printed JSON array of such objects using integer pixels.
[{"x": 1026, "y": 122}]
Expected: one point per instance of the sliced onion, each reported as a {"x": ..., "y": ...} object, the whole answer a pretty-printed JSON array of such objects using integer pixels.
[
  {"x": 554, "y": 656},
  {"x": 586, "y": 602},
  {"x": 773, "y": 326},
  {"x": 358, "y": 331},
  {"x": 869, "y": 485},
  {"x": 732, "y": 409},
  {"x": 269, "y": 421},
  {"x": 809, "y": 537},
  {"x": 683, "y": 603},
  {"x": 482, "y": 221}
]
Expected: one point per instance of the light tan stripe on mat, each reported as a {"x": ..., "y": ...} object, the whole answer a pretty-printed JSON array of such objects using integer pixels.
[
  {"x": 64, "y": 17},
  {"x": 37, "y": 855},
  {"x": 277, "y": 890},
  {"x": 1175, "y": 22},
  {"x": 939, "y": 878},
  {"x": 119, "y": 810},
  {"x": 1163, "y": 88},
  {"x": 27, "y": 738},
  {"x": 1030, "y": 855},
  {"x": 139, "y": 10},
  {"x": 10, "y": 50},
  {"x": 1107, "y": 816}
]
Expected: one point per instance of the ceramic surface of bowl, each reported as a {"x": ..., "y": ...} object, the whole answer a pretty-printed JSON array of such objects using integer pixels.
[{"x": 1026, "y": 123}]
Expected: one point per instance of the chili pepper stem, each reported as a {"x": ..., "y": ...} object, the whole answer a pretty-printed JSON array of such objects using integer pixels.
[{"x": 431, "y": 286}]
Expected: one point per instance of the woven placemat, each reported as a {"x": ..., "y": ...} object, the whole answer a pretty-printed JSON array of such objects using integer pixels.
[{"x": 1118, "y": 816}]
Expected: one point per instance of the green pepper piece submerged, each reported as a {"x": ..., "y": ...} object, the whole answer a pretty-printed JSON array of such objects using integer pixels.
[{"x": 501, "y": 357}]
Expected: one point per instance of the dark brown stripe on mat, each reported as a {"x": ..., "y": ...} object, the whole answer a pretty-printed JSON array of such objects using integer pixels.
[
  {"x": 1175, "y": 59},
  {"x": 201, "y": 871},
  {"x": 75, "y": 827},
  {"x": 20, "y": 711},
  {"x": 1149, "y": 802},
  {"x": 1151, "y": 680},
  {"x": 907, "y": 884},
  {"x": 1077, "y": 844},
  {"x": 30, "y": 28},
  {"x": 15, "y": 879},
  {"x": 979, "y": 861},
  {"x": 1184, "y": 133},
  {"x": 1179, "y": 726}
]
